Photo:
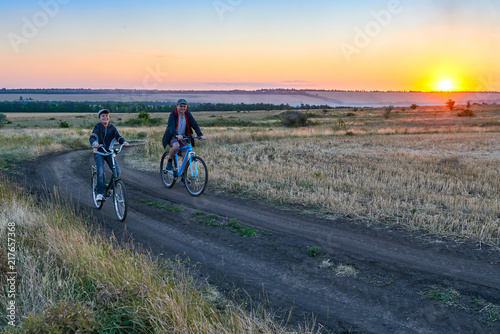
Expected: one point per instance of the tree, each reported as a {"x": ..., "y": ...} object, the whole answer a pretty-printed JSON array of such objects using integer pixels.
[
  {"x": 450, "y": 104},
  {"x": 387, "y": 111}
]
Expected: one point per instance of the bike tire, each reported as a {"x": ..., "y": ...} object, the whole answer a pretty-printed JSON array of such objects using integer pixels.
[
  {"x": 167, "y": 176},
  {"x": 195, "y": 176},
  {"x": 120, "y": 200},
  {"x": 98, "y": 204}
]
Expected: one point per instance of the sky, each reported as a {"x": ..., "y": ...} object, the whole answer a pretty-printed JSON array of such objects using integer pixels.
[{"x": 401, "y": 45}]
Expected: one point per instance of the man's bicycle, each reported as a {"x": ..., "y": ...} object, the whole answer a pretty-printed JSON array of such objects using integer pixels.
[
  {"x": 193, "y": 170},
  {"x": 114, "y": 188}
]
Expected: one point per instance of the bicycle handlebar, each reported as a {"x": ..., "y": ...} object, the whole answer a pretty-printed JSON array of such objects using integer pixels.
[
  {"x": 191, "y": 137},
  {"x": 106, "y": 151}
]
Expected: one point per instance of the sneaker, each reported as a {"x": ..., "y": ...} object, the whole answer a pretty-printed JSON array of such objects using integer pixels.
[
  {"x": 99, "y": 197},
  {"x": 169, "y": 165}
]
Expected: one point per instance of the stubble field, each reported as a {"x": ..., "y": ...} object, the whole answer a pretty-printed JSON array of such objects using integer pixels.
[{"x": 423, "y": 169}]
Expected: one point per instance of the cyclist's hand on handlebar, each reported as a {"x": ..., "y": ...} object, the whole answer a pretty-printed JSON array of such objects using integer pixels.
[
  {"x": 180, "y": 137},
  {"x": 202, "y": 137},
  {"x": 95, "y": 145},
  {"x": 126, "y": 144}
]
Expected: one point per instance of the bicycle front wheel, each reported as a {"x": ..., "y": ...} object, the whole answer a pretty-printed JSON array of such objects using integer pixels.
[
  {"x": 98, "y": 204},
  {"x": 196, "y": 176},
  {"x": 120, "y": 200},
  {"x": 167, "y": 176}
]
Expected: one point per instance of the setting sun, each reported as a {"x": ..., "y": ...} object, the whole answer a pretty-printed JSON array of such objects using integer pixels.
[{"x": 445, "y": 85}]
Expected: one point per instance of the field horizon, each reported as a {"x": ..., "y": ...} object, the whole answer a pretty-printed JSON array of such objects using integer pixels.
[{"x": 293, "y": 97}]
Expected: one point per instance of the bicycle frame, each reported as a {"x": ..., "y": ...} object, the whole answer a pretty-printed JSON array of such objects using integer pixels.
[
  {"x": 188, "y": 155},
  {"x": 192, "y": 169},
  {"x": 119, "y": 192},
  {"x": 114, "y": 177}
]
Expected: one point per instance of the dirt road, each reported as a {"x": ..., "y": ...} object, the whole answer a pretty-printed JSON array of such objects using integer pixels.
[{"x": 393, "y": 267}]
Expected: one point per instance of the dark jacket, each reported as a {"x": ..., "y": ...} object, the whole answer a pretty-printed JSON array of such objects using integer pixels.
[
  {"x": 105, "y": 135},
  {"x": 171, "y": 129}
]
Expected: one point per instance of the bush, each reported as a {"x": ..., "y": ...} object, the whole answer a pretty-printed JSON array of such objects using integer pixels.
[
  {"x": 3, "y": 119},
  {"x": 64, "y": 124},
  {"x": 294, "y": 119},
  {"x": 466, "y": 113},
  {"x": 143, "y": 119},
  {"x": 414, "y": 106}
]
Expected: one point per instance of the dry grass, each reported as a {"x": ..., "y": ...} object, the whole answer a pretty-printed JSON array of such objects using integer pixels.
[
  {"x": 406, "y": 171},
  {"x": 344, "y": 270}
]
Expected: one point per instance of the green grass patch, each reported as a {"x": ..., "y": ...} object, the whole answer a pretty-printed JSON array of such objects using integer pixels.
[
  {"x": 232, "y": 224},
  {"x": 449, "y": 296},
  {"x": 162, "y": 205},
  {"x": 488, "y": 312}
]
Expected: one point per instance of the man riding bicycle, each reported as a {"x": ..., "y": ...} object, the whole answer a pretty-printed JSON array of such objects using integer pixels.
[
  {"x": 104, "y": 133},
  {"x": 180, "y": 123}
]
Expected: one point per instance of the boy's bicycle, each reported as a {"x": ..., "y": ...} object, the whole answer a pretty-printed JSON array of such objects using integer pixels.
[
  {"x": 193, "y": 170},
  {"x": 114, "y": 188}
]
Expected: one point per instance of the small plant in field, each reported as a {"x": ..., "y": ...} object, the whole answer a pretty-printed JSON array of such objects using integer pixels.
[
  {"x": 313, "y": 251},
  {"x": 414, "y": 106},
  {"x": 387, "y": 111},
  {"x": 468, "y": 105},
  {"x": 3, "y": 119},
  {"x": 450, "y": 104}
]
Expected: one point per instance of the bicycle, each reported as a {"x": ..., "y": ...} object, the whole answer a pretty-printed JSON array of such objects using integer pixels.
[
  {"x": 193, "y": 170},
  {"x": 114, "y": 188}
]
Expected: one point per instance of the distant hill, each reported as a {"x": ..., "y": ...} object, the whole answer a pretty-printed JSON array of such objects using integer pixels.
[{"x": 293, "y": 97}]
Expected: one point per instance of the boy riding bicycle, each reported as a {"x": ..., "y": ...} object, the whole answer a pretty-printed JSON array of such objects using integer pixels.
[
  {"x": 180, "y": 123},
  {"x": 104, "y": 133}
]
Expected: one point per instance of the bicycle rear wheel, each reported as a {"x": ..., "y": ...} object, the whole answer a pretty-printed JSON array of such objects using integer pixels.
[
  {"x": 98, "y": 204},
  {"x": 196, "y": 176},
  {"x": 167, "y": 176},
  {"x": 120, "y": 200}
]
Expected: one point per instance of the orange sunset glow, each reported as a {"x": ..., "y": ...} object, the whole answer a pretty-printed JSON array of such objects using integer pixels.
[{"x": 364, "y": 45}]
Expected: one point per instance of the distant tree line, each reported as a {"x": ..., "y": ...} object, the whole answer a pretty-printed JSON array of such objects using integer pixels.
[{"x": 136, "y": 107}]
